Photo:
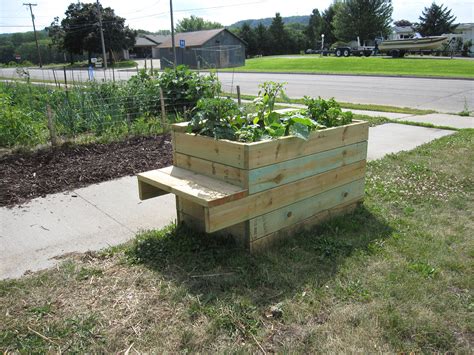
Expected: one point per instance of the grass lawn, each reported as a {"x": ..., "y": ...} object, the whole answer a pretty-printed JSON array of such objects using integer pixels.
[
  {"x": 394, "y": 276},
  {"x": 362, "y": 65},
  {"x": 347, "y": 105}
]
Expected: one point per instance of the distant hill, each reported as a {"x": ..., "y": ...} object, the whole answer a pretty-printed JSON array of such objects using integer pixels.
[{"x": 268, "y": 21}]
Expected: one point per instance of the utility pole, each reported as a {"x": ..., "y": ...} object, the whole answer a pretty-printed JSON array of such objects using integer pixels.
[
  {"x": 34, "y": 29},
  {"x": 102, "y": 35},
  {"x": 172, "y": 34}
]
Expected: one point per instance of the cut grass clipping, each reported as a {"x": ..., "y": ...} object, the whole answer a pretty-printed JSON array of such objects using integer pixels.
[
  {"x": 394, "y": 276},
  {"x": 423, "y": 67}
]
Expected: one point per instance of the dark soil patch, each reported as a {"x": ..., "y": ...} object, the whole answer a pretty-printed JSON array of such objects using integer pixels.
[{"x": 24, "y": 176}]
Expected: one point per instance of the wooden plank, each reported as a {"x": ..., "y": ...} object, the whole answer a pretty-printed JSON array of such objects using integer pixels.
[
  {"x": 265, "y": 242},
  {"x": 275, "y": 151},
  {"x": 254, "y": 205},
  {"x": 190, "y": 208},
  {"x": 229, "y": 174},
  {"x": 147, "y": 191},
  {"x": 284, "y": 217},
  {"x": 219, "y": 151},
  {"x": 190, "y": 214},
  {"x": 180, "y": 127},
  {"x": 198, "y": 188},
  {"x": 270, "y": 176}
]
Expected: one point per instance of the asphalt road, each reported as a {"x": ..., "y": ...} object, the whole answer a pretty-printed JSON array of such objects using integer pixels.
[{"x": 443, "y": 95}]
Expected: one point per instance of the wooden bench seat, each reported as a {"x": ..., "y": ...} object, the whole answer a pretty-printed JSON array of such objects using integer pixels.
[{"x": 203, "y": 190}]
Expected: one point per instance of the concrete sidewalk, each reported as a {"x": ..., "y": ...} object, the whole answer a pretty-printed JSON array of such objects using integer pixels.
[
  {"x": 34, "y": 235},
  {"x": 436, "y": 119}
]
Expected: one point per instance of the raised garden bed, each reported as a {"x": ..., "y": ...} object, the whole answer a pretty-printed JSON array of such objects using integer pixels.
[{"x": 262, "y": 191}]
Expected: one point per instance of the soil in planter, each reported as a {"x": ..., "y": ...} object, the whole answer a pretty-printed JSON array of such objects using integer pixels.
[{"x": 25, "y": 176}]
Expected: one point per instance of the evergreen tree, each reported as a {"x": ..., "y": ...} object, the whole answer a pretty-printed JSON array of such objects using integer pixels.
[
  {"x": 436, "y": 21},
  {"x": 278, "y": 35},
  {"x": 248, "y": 35},
  {"x": 365, "y": 19},
  {"x": 327, "y": 26},
  {"x": 313, "y": 31},
  {"x": 262, "y": 40}
]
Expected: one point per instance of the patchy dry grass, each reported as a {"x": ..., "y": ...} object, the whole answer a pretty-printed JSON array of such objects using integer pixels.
[{"x": 395, "y": 276}]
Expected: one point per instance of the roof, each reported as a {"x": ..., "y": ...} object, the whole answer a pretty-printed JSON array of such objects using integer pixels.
[
  {"x": 158, "y": 39},
  {"x": 144, "y": 42},
  {"x": 465, "y": 26},
  {"x": 194, "y": 39}
]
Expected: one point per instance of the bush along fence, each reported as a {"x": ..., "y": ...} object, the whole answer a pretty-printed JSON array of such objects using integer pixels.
[
  {"x": 31, "y": 115},
  {"x": 261, "y": 177}
]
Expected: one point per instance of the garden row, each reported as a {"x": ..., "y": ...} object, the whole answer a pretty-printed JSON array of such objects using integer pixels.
[{"x": 99, "y": 110}]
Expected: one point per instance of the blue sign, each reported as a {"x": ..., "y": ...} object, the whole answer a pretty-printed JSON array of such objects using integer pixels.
[{"x": 182, "y": 43}]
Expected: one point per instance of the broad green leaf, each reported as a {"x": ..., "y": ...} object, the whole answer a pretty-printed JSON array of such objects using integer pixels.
[{"x": 299, "y": 130}]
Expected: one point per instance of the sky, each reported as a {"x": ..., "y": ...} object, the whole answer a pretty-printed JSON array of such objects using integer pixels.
[{"x": 153, "y": 15}]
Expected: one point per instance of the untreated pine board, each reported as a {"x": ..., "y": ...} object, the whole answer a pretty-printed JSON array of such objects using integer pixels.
[
  {"x": 266, "y": 241},
  {"x": 286, "y": 148},
  {"x": 215, "y": 170},
  {"x": 190, "y": 208},
  {"x": 284, "y": 217},
  {"x": 147, "y": 191},
  {"x": 271, "y": 176},
  {"x": 220, "y": 151},
  {"x": 254, "y": 205},
  {"x": 198, "y": 188}
]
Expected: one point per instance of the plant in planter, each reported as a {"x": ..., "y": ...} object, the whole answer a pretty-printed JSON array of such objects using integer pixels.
[
  {"x": 222, "y": 119},
  {"x": 264, "y": 175}
]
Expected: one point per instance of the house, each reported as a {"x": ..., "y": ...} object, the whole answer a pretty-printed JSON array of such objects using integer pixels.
[
  {"x": 146, "y": 46},
  {"x": 465, "y": 31},
  {"x": 218, "y": 48}
]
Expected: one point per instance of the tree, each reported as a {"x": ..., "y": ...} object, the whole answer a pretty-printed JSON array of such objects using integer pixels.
[
  {"x": 278, "y": 35},
  {"x": 435, "y": 21},
  {"x": 313, "y": 31},
  {"x": 262, "y": 40},
  {"x": 327, "y": 26},
  {"x": 365, "y": 19},
  {"x": 79, "y": 31},
  {"x": 403, "y": 23},
  {"x": 248, "y": 35},
  {"x": 194, "y": 23}
]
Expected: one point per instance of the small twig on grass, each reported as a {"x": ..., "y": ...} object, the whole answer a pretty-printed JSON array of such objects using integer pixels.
[
  {"x": 214, "y": 275},
  {"x": 257, "y": 342},
  {"x": 43, "y": 336},
  {"x": 128, "y": 350}
]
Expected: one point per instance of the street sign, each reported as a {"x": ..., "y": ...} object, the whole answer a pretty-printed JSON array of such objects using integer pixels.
[
  {"x": 182, "y": 43},
  {"x": 17, "y": 57}
]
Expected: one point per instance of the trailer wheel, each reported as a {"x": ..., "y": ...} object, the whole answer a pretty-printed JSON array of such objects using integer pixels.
[
  {"x": 395, "y": 53},
  {"x": 368, "y": 53},
  {"x": 346, "y": 53},
  {"x": 338, "y": 53}
]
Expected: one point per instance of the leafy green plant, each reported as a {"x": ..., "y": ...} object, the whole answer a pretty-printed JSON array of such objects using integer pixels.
[
  {"x": 216, "y": 117},
  {"x": 327, "y": 113},
  {"x": 19, "y": 126},
  {"x": 183, "y": 87},
  {"x": 219, "y": 118}
]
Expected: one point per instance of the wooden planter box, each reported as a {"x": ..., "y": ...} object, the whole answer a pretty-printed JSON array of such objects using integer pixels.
[{"x": 260, "y": 192}]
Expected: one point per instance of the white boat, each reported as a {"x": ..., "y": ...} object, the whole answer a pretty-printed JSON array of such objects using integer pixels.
[{"x": 398, "y": 47}]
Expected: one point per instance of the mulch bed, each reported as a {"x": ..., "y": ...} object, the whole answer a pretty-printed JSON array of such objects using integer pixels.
[{"x": 24, "y": 176}]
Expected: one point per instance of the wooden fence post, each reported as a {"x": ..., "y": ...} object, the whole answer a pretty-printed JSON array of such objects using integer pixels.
[
  {"x": 164, "y": 124},
  {"x": 51, "y": 128},
  {"x": 239, "y": 101}
]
